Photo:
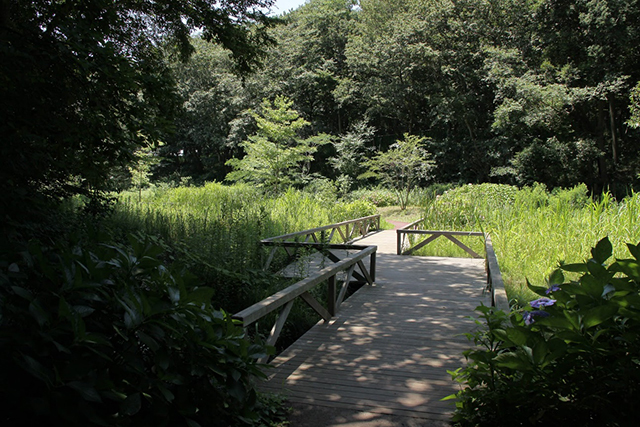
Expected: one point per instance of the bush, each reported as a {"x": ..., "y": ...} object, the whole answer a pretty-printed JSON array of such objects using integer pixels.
[
  {"x": 571, "y": 357},
  {"x": 110, "y": 336},
  {"x": 379, "y": 197}
]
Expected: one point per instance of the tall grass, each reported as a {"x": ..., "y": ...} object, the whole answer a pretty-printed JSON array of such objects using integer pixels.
[
  {"x": 215, "y": 230},
  {"x": 532, "y": 229},
  {"x": 224, "y": 224}
]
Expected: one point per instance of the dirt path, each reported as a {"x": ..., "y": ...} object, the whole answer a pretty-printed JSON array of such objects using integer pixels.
[{"x": 397, "y": 224}]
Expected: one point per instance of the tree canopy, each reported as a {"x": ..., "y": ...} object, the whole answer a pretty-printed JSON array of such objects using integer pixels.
[{"x": 84, "y": 83}]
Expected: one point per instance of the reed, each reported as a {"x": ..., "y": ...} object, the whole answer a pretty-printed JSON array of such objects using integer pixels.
[{"x": 533, "y": 229}]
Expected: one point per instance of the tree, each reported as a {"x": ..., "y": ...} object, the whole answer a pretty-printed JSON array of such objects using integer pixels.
[
  {"x": 634, "y": 107},
  {"x": 275, "y": 156},
  {"x": 351, "y": 150},
  {"x": 213, "y": 101},
  {"x": 402, "y": 166},
  {"x": 85, "y": 83}
]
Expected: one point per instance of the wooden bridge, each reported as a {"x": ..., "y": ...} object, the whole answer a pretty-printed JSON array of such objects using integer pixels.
[{"x": 386, "y": 349}]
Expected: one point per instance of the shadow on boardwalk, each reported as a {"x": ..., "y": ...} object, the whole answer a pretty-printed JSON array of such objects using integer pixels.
[{"x": 382, "y": 360}]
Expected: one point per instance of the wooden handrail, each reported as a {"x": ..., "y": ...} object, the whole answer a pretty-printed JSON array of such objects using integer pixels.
[
  {"x": 494, "y": 276},
  {"x": 285, "y": 298},
  {"x": 363, "y": 226},
  {"x": 371, "y": 220}
]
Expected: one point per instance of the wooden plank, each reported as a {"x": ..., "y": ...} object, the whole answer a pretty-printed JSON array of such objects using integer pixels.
[
  {"x": 331, "y": 295},
  {"x": 388, "y": 349},
  {"x": 364, "y": 271},
  {"x": 498, "y": 292},
  {"x": 262, "y": 308},
  {"x": 277, "y": 327},
  {"x": 317, "y": 229},
  {"x": 425, "y": 242},
  {"x": 451, "y": 233},
  {"x": 314, "y": 304},
  {"x": 362, "y": 406},
  {"x": 345, "y": 286},
  {"x": 462, "y": 246}
]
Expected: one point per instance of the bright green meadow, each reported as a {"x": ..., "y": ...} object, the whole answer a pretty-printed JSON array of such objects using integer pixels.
[{"x": 532, "y": 229}]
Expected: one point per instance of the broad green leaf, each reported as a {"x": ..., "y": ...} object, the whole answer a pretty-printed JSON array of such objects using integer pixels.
[
  {"x": 86, "y": 390},
  {"x": 556, "y": 278},
  {"x": 630, "y": 267},
  {"x": 22, "y": 292},
  {"x": 201, "y": 295},
  {"x": 555, "y": 322},
  {"x": 168, "y": 395},
  {"x": 634, "y": 250},
  {"x": 592, "y": 285},
  {"x": 132, "y": 404},
  {"x": 517, "y": 336},
  {"x": 38, "y": 313},
  {"x": 602, "y": 251},
  {"x": 148, "y": 341},
  {"x": 631, "y": 314},
  {"x": 557, "y": 348},
  {"x": 540, "y": 290},
  {"x": 37, "y": 369},
  {"x": 513, "y": 361},
  {"x": 539, "y": 352},
  {"x": 192, "y": 423},
  {"x": 575, "y": 268},
  {"x": 236, "y": 390},
  {"x": 598, "y": 271},
  {"x": 598, "y": 315}
]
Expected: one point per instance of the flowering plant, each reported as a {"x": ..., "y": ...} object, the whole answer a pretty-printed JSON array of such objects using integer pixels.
[{"x": 573, "y": 359}]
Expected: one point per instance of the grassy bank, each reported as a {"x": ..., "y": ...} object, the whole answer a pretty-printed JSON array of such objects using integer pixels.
[{"x": 533, "y": 229}]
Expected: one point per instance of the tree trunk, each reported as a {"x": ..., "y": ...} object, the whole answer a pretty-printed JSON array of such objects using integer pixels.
[
  {"x": 612, "y": 123},
  {"x": 602, "y": 161}
]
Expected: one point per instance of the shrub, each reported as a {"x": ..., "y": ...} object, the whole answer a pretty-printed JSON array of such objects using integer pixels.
[
  {"x": 571, "y": 357},
  {"x": 379, "y": 197},
  {"x": 111, "y": 336}
]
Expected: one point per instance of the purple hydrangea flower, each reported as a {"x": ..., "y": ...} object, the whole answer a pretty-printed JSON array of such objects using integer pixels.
[
  {"x": 528, "y": 316},
  {"x": 552, "y": 288},
  {"x": 542, "y": 302}
]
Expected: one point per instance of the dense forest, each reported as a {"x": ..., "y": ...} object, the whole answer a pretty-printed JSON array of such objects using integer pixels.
[{"x": 514, "y": 92}]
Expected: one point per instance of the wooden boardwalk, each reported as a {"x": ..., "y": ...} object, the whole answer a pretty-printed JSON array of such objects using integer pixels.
[{"x": 389, "y": 348}]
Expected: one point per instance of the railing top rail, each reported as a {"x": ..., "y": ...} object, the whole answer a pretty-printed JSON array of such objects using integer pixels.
[
  {"x": 451, "y": 233},
  {"x": 280, "y": 298},
  {"x": 498, "y": 293},
  {"x": 315, "y": 230},
  {"x": 413, "y": 224}
]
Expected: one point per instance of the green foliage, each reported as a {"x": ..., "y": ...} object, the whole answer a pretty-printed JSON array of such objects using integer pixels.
[
  {"x": 634, "y": 107},
  {"x": 97, "y": 333},
  {"x": 212, "y": 120},
  {"x": 351, "y": 150},
  {"x": 532, "y": 228},
  {"x": 568, "y": 358},
  {"x": 276, "y": 156},
  {"x": 379, "y": 197},
  {"x": 402, "y": 166},
  {"x": 216, "y": 230},
  {"x": 85, "y": 83}
]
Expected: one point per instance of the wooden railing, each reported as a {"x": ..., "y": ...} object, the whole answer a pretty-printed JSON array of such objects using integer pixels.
[
  {"x": 318, "y": 239},
  {"x": 494, "y": 278},
  {"x": 346, "y": 231}
]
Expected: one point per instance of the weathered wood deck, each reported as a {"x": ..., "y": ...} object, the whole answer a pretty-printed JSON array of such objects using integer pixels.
[{"x": 389, "y": 347}]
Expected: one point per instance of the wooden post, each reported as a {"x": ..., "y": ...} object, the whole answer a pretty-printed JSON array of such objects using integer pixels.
[
  {"x": 372, "y": 267},
  {"x": 331, "y": 295}
]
